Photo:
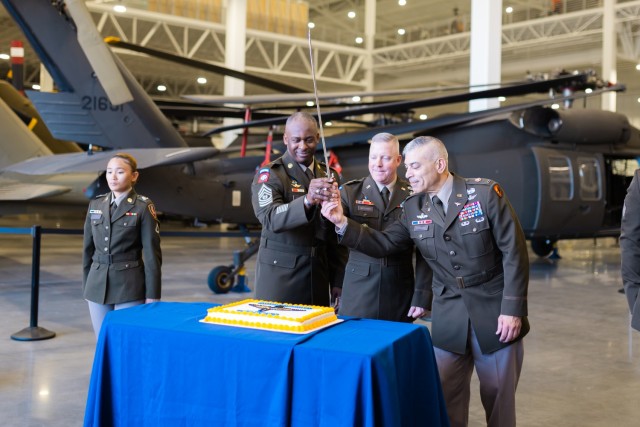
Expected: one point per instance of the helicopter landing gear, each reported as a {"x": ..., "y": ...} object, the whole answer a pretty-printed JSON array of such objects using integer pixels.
[
  {"x": 544, "y": 247},
  {"x": 222, "y": 278}
]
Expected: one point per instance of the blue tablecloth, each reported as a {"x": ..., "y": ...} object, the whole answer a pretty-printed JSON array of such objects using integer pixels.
[{"x": 157, "y": 365}]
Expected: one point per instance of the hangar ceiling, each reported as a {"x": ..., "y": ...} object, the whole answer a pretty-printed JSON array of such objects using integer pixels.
[{"x": 429, "y": 53}]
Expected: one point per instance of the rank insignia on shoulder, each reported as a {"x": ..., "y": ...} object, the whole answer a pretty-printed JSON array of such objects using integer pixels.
[
  {"x": 263, "y": 175},
  {"x": 143, "y": 198},
  {"x": 265, "y": 196},
  {"x": 498, "y": 190}
]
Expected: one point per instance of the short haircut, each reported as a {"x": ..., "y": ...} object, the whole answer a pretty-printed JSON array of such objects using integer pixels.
[
  {"x": 128, "y": 159},
  {"x": 384, "y": 137},
  {"x": 438, "y": 150},
  {"x": 301, "y": 115}
]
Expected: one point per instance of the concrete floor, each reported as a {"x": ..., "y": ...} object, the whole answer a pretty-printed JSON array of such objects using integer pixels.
[{"x": 582, "y": 363}]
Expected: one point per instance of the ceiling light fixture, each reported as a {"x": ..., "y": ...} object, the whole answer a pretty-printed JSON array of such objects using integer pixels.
[
  {"x": 120, "y": 8},
  {"x": 355, "y": 98},
  {"x": 509, "y": 9},
  {"x": 351, "y": 14},
  {"x": 311, "y": 25},
  {"x": 4, "y": 56},
  {"x": 201, "y": 80},
  {"x": 161, "y": 88},
  {"x": 402, "y": 2},
  {"x": 401, "y": 31},
  {"x": 423, "y": 117},
  {"x": 359, "y": 40}
]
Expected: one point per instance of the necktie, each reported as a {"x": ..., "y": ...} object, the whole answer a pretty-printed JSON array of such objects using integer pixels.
[
  {"x": 309, "y": 174},
  {"x": 437, "y": 204},
  {"x": 385, "y": 196},
  {"x": 112, "y": 209}
]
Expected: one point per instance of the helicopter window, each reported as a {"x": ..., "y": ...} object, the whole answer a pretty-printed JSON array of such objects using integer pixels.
[
  {"x": 589, "y": 178},
  {"x": 560, "y": 178}
]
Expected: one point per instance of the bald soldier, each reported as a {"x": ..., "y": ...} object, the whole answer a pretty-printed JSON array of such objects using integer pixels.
[
  {"x": 382, "y": 288},
  {"x": 470, "y": 236},
  {"x": 299, "y": 259}
]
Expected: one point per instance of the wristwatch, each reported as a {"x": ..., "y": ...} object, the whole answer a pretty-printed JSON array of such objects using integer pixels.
[{"x": 307, "y": 203}]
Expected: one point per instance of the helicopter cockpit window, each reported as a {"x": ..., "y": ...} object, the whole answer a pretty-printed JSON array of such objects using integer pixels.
[
  {"x": 560, "y": 178},
  {"x": 589, "y": 179}
]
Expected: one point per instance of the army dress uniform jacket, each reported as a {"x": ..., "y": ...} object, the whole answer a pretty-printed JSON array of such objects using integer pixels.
[
  {"x": 121, "y": 258},
  {"x": 299, "y": 258},
  {"x": 478, "y": 255},
  {"x": 630, "y": 249},
  {"x": 381, "y": 288}
]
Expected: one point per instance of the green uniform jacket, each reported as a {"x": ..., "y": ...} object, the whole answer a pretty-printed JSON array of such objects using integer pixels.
[
  {"x": 478, "y": 256},
  {"x": 121, "y": 257},
  {"x": 630, "y": 248},
  {"x": 381, "y": 288},
  {"x": 299, "y": 258}
]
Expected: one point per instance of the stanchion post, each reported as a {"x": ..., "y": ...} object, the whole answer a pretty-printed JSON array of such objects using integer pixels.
[{"x": 34, "y": 332}]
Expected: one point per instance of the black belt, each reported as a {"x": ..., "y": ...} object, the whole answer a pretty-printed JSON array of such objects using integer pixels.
[
  {"x": 289, "y": 248},
  {"x": 476, "y": 279},
  {"x": 113, "y": 258}
]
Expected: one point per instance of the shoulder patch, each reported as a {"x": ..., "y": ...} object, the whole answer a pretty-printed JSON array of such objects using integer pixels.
[
  {"x": 263, "y": 175},
  {"x": 498, "y": 190},
  {"x": 152, "y": 210}
]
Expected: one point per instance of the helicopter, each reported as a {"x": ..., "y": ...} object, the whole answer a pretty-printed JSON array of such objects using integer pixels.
[{"x": 565, "y": 170}]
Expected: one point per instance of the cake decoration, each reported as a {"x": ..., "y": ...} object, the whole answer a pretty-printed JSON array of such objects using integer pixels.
[{"x": 274, "y": 316}]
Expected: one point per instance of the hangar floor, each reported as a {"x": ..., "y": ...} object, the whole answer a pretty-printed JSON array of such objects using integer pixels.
[{"x": 582, "y": 363}]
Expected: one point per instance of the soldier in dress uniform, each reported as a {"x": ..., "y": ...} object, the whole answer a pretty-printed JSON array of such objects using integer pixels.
[
  {"x": 382, "y": 288},
  {"x": 471, "y": 238},
  {"x": 299, "y": 259},
  {"x": 121, "y": 257},
  {"x": 630, "y": 248}
]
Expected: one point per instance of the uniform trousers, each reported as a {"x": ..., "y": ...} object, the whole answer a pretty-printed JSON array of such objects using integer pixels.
[
  {"x": 99, "y": 311},
  {"x": 498, "y": 373}
]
